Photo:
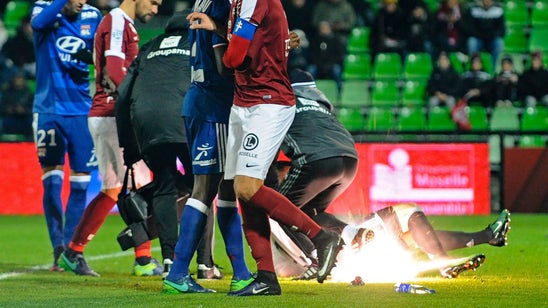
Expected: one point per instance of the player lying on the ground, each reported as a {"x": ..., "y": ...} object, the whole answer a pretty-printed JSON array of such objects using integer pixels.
[{"x": 404, "y": 225}]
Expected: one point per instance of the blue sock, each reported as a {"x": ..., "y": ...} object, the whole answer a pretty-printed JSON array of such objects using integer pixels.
[
  {"x": 76, "y": 204},
  {"x": 53, "y": 206},
  {"x": 190, "y": 233},
  {"x": 230, "y": 225}
]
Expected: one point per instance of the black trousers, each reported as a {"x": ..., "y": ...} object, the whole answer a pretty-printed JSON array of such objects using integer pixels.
[
  {"x": 161, "y": 159},
  {"x": 313, "y": 187}
]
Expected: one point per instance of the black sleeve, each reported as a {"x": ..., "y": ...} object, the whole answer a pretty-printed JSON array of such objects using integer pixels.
[{"x": 126, "y": 137}]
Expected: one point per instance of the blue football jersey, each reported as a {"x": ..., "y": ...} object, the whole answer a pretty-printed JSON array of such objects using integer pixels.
[
  {"x": 215, "y": 105},
  {"x": 62, "y": 82}
]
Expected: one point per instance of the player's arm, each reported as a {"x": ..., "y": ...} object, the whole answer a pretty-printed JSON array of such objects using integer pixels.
[
  {"x": 126, "y": 137},
  {"x": 219, "y": 51},
  {"x": 239, "y": 43},
  {"x": 44, "y": 17},
  {"x": 115, "y": 69}
]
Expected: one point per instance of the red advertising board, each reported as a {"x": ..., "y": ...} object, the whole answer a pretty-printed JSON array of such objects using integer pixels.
[
  {"x": 20, "y": 180},
  {"x": 444, "y": 179}
]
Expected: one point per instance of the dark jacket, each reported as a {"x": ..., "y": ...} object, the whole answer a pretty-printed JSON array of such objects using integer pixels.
[
  {"x": 533, "y": 83},
  {"x": 315, "y": 133},
  {"x": 444, "y": 81},
  {"x": 484, "y": 24},
  {"x": 150, "y": 98},
  {"x": 479, "y": 80},
  {"x": 387, "y": 25}
]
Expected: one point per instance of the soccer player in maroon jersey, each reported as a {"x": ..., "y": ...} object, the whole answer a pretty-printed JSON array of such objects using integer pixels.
[
  {"x": 116, "y": 46},
  {"x": 263, "y": 110}
]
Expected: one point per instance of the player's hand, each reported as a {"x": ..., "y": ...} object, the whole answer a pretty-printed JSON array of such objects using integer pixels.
[
  {"x": 199, "y": 20},
  {"x": 294, "y": 40},
  {"x": 84, "y": 55},
  {"x": 108, "y": 85}
]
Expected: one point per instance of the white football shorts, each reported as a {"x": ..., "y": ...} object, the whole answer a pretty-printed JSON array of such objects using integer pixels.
[
  {"x": 110, "y": 156},
  {"x": 254, "y": 138}
]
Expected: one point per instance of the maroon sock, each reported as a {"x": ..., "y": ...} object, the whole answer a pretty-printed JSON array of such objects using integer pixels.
[
  {"x": 279, "y": 208},
  {"x": 92, "y": 219},
  {"x": 257, "y": 232}
]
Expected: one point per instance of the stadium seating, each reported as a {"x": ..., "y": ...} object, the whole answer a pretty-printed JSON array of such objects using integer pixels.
[
  {"x": 539, "y": 14},
  {"x": 487, "y": 61},
  {"x": 411, "y": 118},
  {"x": 354, "y": 93},
  {"x": 352, "y": 119},
  {"x": 433, "y": 5},
  {"x": 146, "y": 33},
  {"x": 385, "y": 93},
  {"x": 495, "y": 154},
  {"x": 15, "y": 10},
  {"x": 414, "y": 92},
  {"x": 358, "y": 42},
  {"x": 357, "y": 66},
  {"x": 380, "y": 119},
  {"x": 532, "y": 141},
  {"x": 538, "y": 39},
  {"x": 534, "y": 119},
  {"x": 458, "y": 61},
  {"x": 439, "y": 119},
  {"x": 504, "y": 118},
  {"x": 329, "y": 88},
  {"x": 387, "y": 65},
  {"x": 515, "y": 40},
  {"x": 417, "y": 66},
  {"x": 478, "y": 118},
  {"x": 516, "y": 12}
]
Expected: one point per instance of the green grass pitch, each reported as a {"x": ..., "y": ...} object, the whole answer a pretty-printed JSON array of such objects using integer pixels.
[{"x": 512, "y": 276}]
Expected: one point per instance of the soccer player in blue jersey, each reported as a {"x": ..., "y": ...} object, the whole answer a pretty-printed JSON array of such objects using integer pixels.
[
  {"x": 62, "y": 28},
  {"x": 206, "y": 111}
]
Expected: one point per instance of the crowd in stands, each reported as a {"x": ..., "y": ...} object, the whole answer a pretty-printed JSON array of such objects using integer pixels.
[
  {"x": 468, "y": 43},
  {"x": 464, "y": 42}
]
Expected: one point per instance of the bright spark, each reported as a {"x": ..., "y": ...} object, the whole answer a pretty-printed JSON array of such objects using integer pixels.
[{"x": 381, "y": 260}]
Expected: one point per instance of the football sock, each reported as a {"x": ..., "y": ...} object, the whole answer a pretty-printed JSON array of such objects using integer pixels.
[
  {"x": 52, "y": 182},
  {"x": 143, "y": 252},
  {"x": 92, "y": 219},
  {"x": 230, "y": 225},
  {"x": 192, "y": 225},
  {"x": 451, "y": 240},
  {"x": 257, "y": 233},
  {"x": 204, "y": 250},
  {"x": 424, "y": 235},
  {"x": 76, "y": 203},
  {"x": 143, "y": 260},
  {"x": 279, "y": 208}
]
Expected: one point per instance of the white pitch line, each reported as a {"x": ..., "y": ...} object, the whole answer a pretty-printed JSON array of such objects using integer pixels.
[{"x": 47, "y": 266}]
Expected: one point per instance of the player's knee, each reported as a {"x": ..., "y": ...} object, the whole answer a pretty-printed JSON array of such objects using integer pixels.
[
  {"x": 407, "y": 207},
  {"x": 245, "y": 187},
  {"x": 112, "y": 192},
  {"x": 404, "y": 211}
]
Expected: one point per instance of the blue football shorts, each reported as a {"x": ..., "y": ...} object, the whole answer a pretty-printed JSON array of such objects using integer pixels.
[
  {"x": 57, "y": 135},
  {"x": 207, "y": 143}
]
